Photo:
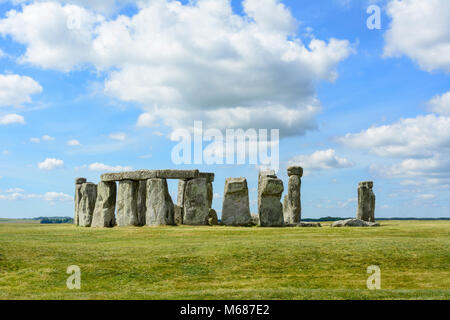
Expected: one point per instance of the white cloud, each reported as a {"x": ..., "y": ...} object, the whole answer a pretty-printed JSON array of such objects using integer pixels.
[
  {"x": 73, "y": 143},
  {"x": 321, "y": 160},
  {"x": 5, "y": 152},
  {"x": 440, "y": 104},
  {"x": 198, "y": 59},
  {"x": 147, "y": 120},
  {"x": 47, "y": 138},
  {"x": 12, "y": 119},
  {"x": 49, "y": 196},
  {"x": 103, "y": 167},
  {"x": 420, "y": 30},
  {"x": 16, "y": 90},
  {"x": 422, "y": 136},
  {"x": 35, "y": 140},
  {"x": 119, "y": 136},
  {"x": 50, "y": 164}
]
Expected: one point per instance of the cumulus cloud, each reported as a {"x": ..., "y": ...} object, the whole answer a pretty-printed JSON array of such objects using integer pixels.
[
  {"x": 321, "y": 160},
  {"x": 198, "y": 59},
  {"x": 47, "y": 138},
  {"x": 422, "y": 143},
  {"x": 440, "y": 104},
  {"x": 12, "y": 119},
  {"x": 420, "y": 30},
  {"x": 16, "y": 90},
  {"x": 49, "y": 196},
  {"x": 422, "y": 136},
  {"x": 50, "y": 164},
  {"x": 147, "y": 120},
  {"x": 103, "y": 167}
]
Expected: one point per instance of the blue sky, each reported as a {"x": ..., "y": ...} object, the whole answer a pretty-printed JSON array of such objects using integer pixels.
[{"x": 88, "y": 87}]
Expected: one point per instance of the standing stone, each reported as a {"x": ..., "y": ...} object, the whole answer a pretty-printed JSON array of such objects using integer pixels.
[
  {"x": 210, "y": 194},
  {"x": 236, "y": 207},
  {"x": 127, "y": 212},
  {"x": 212, "y": 218},
  {"x": 105, "y": 205},
  {"x": 178, "y": 215},
  {"x": 292, "y": 208},
  {"x": 78, "y": 183},
  {"x": 160, "y": 209},
  {"x": 86, "y": 206},
  {"x": 181, "y": 188},
  {"x": 366, "y": 202},
  {"x": 142, "y": 202},
  {"x": 195, "y": 205},
  {"x": 270, "y": 209}
]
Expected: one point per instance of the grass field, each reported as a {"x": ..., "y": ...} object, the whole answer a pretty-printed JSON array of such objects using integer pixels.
[{"x": 226, "y": 262}]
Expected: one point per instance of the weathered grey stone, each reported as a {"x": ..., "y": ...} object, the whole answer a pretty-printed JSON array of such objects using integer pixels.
[
  {"x": 180, "y": 196},
  {"x": 212, "y": 218},
  {"x": 270, "y": 209},
  {"x": 178, "y": 174},
  {"x": 292, "y": 205},
  {"x": 77, "y": 204},
  {"x": 354, "y": 223},
  {"x": 295, "y": 171},
  {"x": 207, "y": 175},
  {"x": 127, "y": 212},
  {"x": 86, "y": 206},
  {"x": 150, "y": 174},
  {"x": 178, "y": 215},
  {"x": 80, "y": 180},
  {"x": 255, "y": 219},
  {"x": 160, "y": 209},
  {"x": 366, "y": 202},
  {"x": 235, "y": 207},
  {"x": 309, "y": 224},
  {"x": 131, "y": 175},
  {"x": 105, "y": 205},
  {"x": 142, "y": 202},
  {"x": 210, "y": 193},
  {"x": 196, "y": 207}
]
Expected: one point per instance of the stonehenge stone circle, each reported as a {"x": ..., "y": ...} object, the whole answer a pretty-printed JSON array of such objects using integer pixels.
[
  {"x": 366, "y": 202},
  {"x": 292, "y": 204},
  {"x": 354, "y": 223},
  {"x": 105, "y": 206},
  {"x": 196, "y": 206},
  {"x": 142, "y": 202},
  {"x": 142, "y": 198},
  {"x": 270, "y": 209},
  {"x": 86, "y": 206},
  {"x": 127, "y": 211},
  {"x": 160, "y": 209},
  {"x": 236, "y": 207}
]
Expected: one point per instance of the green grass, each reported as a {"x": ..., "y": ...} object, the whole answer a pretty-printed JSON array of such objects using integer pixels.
[{"x": 225, "y": 262}]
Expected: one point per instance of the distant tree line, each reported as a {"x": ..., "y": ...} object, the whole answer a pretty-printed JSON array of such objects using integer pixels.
[{"x": 54, "y": 220}]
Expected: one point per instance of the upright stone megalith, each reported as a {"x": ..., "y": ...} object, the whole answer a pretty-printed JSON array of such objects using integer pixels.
[
  {"x": 78, "y": 183},
  {"x": 142, "y": 202},
  {"x": 292, "y": 207},
  {"x": 236, "y": 207},
  {"x": 195, "y": 205},
  {"x": 270, "y": 209},
  {"x": 105, "y": 205},
  {"x": 127, "y": 211},
  {"x": 160, "y": 208},
  {"x": 366, "y": 202},
  {"x": 86, "y": 206},
  {"x": 181, "y": 187}
]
